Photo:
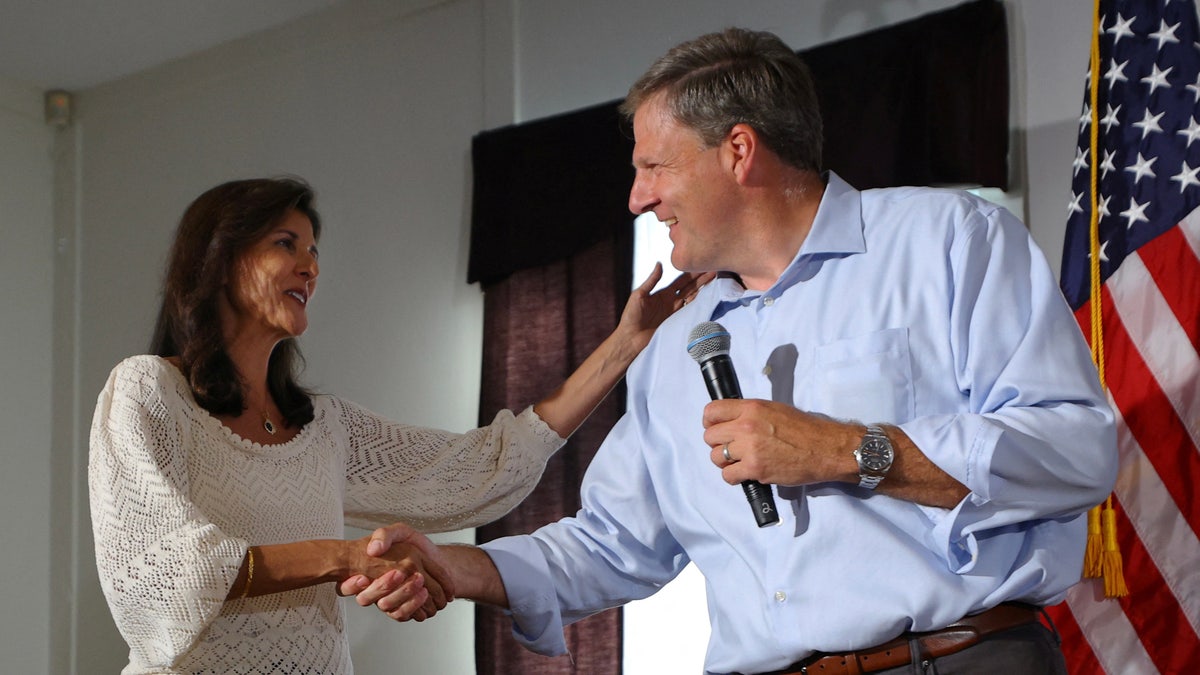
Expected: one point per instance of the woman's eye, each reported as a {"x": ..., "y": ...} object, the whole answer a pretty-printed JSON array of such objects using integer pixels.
[{"x": 286, "y": 243}]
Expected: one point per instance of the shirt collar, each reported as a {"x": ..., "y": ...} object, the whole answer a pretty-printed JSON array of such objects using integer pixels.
[
  {"x": 838, "y": 226},
  {"x": 837, "y": 231}
]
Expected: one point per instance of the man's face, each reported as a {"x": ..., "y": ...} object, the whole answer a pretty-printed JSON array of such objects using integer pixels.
[{"x": 686, "y": 186}]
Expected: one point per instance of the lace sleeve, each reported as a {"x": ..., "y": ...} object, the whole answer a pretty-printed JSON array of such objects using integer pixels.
[
  {"x": 164, "y": 569},
  {"x": 436, "y": 480}
]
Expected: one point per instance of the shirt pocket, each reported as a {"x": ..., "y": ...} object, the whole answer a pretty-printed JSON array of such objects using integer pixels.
[{"x": 866, "y": 378}]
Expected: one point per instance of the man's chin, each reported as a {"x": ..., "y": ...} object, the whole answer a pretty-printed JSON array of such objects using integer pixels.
[
  {"x": 692, "y": 266},
  {"x": 681, "y": 262}
]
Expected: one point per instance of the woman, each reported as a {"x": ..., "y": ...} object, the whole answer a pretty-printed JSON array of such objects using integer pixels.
[{"x": 219, "y": 486}]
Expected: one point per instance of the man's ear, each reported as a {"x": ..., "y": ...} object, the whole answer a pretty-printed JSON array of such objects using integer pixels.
[{"x": 740, "y": 149}]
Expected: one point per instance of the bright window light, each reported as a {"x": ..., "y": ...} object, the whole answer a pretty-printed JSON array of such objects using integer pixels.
[
  {"x": 651, "y": 244},
  {"x": 667, "y": 632}
]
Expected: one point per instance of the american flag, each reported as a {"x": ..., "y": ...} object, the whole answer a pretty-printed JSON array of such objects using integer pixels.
[{"x": 1147, "y": 167}]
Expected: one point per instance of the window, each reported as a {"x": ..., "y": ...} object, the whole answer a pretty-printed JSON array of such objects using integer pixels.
[{"x": 667, "y": 632}]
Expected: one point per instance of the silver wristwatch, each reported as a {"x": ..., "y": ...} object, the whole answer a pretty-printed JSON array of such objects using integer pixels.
[{"x": 874, "y": 457}]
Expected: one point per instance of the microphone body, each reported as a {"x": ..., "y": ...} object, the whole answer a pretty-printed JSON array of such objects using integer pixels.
[{"x": 708, "y": 344}]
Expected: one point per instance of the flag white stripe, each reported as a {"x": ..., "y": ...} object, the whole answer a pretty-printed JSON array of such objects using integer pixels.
[
  {"x": 1165, "y": 533},
  {"x": 1160, "y": 340},
  {"x": 1113, "y": 639},
  {"x": 1191, "y": 231}
]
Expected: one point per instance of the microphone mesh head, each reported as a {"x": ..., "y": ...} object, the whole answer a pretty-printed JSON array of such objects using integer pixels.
[{"x": 707, "y": 339}]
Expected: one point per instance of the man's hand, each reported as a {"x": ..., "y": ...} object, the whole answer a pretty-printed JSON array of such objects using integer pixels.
[
  {"x": 403, "y": 560},
  {"x": 775, "y": 443},
  {"x": 473, "y": 573}
]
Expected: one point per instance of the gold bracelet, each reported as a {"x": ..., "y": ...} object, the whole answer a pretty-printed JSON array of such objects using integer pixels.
[{"x": 249, "y": 571}]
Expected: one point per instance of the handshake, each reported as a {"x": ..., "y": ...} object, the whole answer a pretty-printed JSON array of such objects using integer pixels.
[{"x": 403, "y": 573}]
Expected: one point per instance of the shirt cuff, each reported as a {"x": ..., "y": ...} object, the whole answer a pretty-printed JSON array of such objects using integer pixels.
[
  {"x": 540, "y": 431},
  {"x": 533, "y": 604}
]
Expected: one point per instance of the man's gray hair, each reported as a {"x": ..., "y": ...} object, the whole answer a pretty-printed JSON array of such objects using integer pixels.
[{"x": 737, "y": 76}]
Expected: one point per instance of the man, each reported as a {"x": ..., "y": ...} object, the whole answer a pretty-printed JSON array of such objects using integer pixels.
[{"x": 922, "y": 327}]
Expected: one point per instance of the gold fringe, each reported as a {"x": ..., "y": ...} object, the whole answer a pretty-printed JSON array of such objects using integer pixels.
[
  {"x": 1097, "y": 318},
  {"x": 1102, "y": 558},
  {"x": 1093, "y": 557},
  {"x": 1114, "y": 573}
]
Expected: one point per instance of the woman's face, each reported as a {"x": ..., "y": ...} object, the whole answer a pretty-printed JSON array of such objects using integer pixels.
[{"x": 272, "y": 282}]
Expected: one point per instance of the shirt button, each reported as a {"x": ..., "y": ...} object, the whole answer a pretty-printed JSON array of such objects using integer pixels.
[
  {"x": 780, "y": 596},
  {"x": 768, "y": 301}
]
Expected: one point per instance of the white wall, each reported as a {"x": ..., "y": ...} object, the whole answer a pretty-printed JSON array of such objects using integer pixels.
[
  {"x": 375, "y": 103},
  {"x": 26, "y": 330}
]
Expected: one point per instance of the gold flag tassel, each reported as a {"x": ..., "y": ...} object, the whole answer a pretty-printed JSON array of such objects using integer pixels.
[
  {"x": 1102, "y": 558},
  {"x": 1093, "y": 557},
  {"x": 1114, "y": 573}
]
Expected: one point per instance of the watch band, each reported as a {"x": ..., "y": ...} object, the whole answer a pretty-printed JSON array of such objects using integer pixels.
[{"x": 869, "y": 481}]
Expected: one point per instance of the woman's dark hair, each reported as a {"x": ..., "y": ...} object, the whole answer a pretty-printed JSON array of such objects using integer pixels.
[{"x": 215, "y": 229}]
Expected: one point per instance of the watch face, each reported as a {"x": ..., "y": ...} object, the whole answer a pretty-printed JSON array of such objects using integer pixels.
[{"x": 875, "y": 455}]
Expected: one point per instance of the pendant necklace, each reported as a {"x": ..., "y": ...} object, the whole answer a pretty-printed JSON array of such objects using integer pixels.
[{"x": 268, "y": 424}]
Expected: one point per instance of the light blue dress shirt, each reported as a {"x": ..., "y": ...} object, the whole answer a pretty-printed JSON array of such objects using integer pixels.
[{"x": 932, "y": 310}]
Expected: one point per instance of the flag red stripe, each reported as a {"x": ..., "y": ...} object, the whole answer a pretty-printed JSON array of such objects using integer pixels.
[
  {"x": 1076, "y": 650},
  {"x": 1152, "y": 608},
  {"x": 1176, "y": 271},
  {"x": 1148, "y": 413}
]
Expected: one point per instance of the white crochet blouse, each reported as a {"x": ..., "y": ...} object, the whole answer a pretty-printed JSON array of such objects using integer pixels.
[{"x": 177, "y": 498}]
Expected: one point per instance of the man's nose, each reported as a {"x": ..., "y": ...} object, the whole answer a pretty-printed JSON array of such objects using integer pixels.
[{"x": 641, "y": 196}]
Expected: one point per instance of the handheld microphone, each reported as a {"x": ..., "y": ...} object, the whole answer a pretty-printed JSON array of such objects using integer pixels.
[{"x": 708, "y": 344}]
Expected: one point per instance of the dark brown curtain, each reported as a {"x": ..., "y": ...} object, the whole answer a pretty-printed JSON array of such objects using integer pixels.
[
  {"x": 920, "y": 103},
  {"x": 547, "y": 189},
  {"x": 923, "y": 102},
  {"x": 539, "y": 324}
]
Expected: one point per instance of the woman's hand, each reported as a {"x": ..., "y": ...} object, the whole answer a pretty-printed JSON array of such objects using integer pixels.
[
  {"x": 401, "y": 558},
  {"x": 569, "y": 405},
  {"x": 646, "y": 310},
  {"x": 472, "y": 568}
]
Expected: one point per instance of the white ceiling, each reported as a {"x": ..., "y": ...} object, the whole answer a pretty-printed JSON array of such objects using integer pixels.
[{"x": 77, "y": 44}]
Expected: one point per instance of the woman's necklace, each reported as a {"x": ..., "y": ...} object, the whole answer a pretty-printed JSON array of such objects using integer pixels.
[{"x": 268, "y": 424}]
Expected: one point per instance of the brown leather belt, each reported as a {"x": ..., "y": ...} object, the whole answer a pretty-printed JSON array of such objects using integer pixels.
[{"x": 965, "y": 632}]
